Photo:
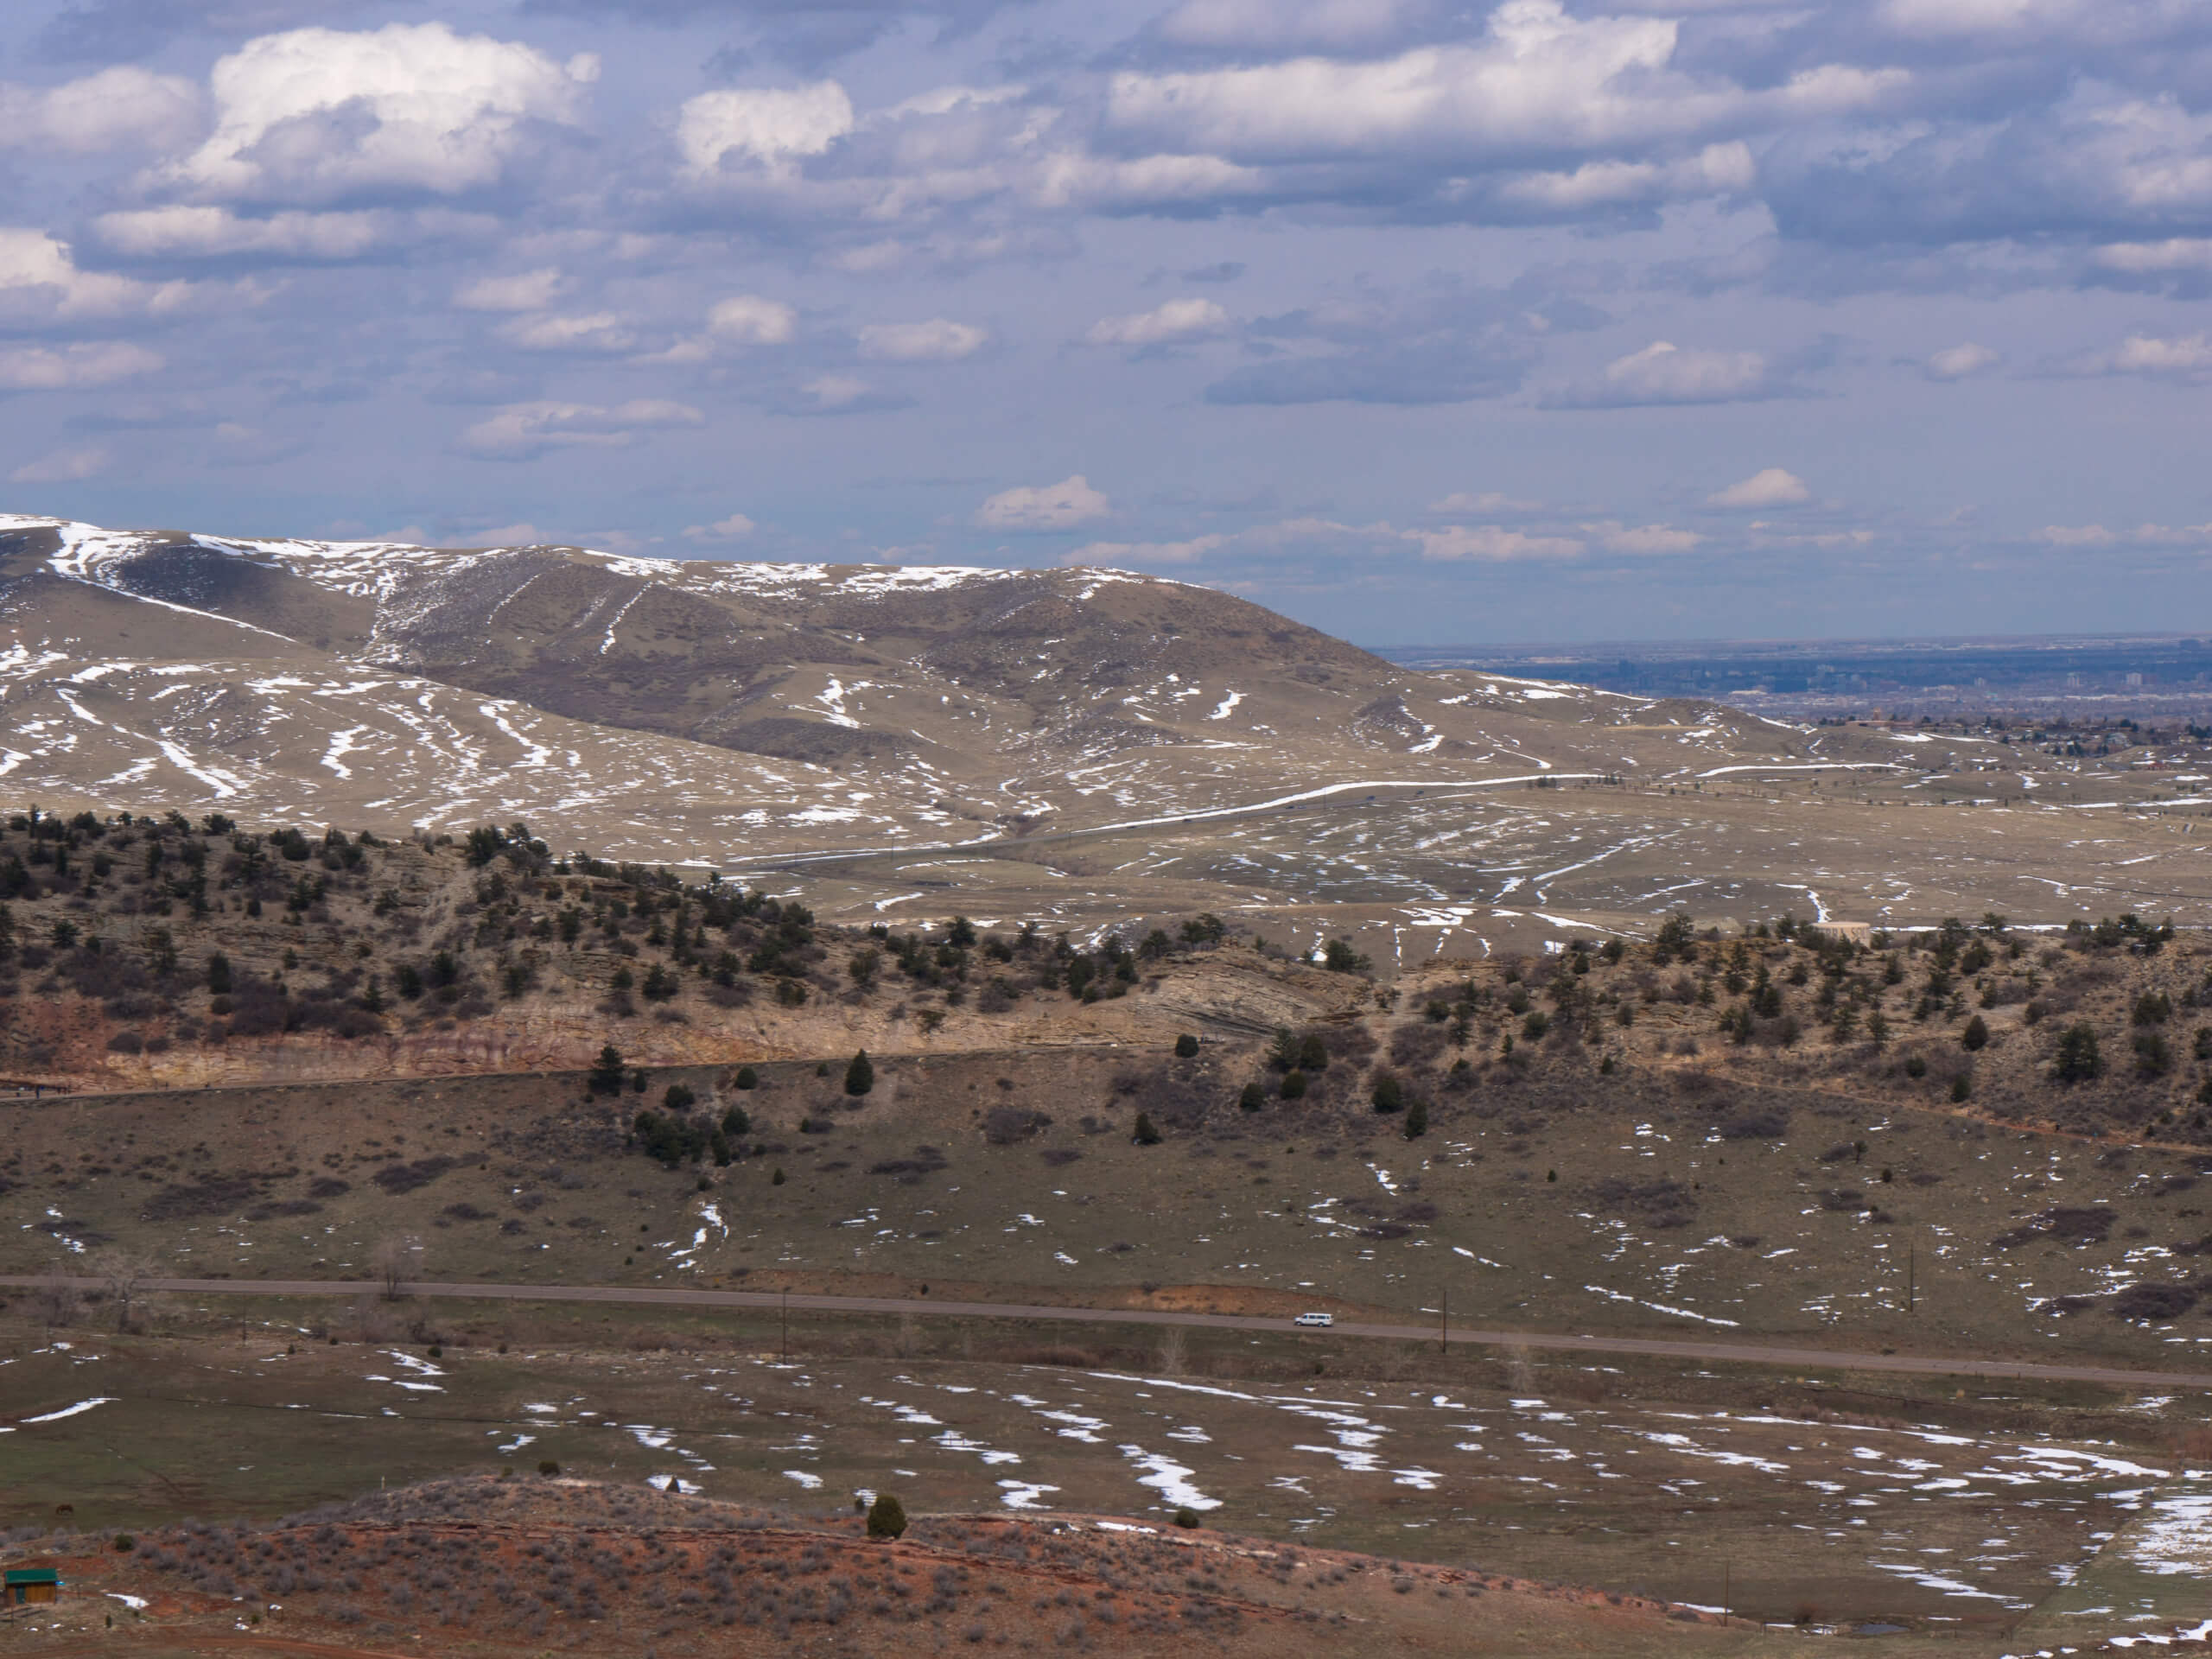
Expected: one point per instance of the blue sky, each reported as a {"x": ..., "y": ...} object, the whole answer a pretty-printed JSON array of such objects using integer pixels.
[{"x": 1420, "y": 322}]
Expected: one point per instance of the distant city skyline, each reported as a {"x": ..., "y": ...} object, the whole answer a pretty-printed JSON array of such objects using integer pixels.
[{"x": 1545, "y": 321}]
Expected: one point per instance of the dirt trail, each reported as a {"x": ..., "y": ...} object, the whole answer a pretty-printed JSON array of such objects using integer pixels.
[{"x": 1727, "y": 1352}]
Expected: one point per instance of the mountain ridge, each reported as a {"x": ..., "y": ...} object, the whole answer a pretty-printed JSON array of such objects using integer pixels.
[{"x": 919, "y": 702}]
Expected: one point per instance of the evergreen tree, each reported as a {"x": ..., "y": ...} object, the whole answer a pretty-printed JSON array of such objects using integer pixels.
[
  {"x": 1146, "y": 1135},
  {"x": 1341, "y": 959},
  {"x": 2078, "y": 1059},
  {"x": 606, "y": 1078},
  {"x": 859, "y": 1074},
  {"x": 887, "y": 1516}
]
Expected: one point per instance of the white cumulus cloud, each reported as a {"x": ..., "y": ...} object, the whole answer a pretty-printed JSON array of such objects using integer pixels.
[
  {"x": 936, "y": 340},
  {"x": 525, "y": 431},
  {"x": 749, "y": 320},
  {"x": 767, "y": 130},
  {"x": 119, "y": 108},
  {"x": 528, "y": 290},
  {"x": 1117, "y": 553},
  {"x": 1177, "y": 320},
  {"x": 594, "y": 331},
  {"x": 2183, "y": 357},
  {"x": 39, "y": 277},
  {"x": 735, "y": 527},
  {"x": 520, "y": 534},
  {"x": 185, "y": 231},
  {"x": 68, "y": 368},
  {"x": 64, "y": 467},
  {"x": 1663, "y": 372},
  {"x": 312, "y": 114},
  {"x": 2175, "y": 253},
  {"x": 1492, "y": 543},
  {"x": 1957, "y": 362},
  {"x": 1644, "y": 538},
  {"x": 1044, "y": 506},
  {"x": 1771, "y": 487},
  {"x": 1540, "y": 80},
  {"x": 2076, "y": 536}
]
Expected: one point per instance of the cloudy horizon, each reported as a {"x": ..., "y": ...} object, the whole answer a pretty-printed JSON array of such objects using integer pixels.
[{"x": 1547, "y": 320}]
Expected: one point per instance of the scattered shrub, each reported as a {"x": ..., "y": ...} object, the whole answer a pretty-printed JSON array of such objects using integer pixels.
[
  {"x": 1007, "y": 1126},
  {"x": 2154, "y": 1302}
]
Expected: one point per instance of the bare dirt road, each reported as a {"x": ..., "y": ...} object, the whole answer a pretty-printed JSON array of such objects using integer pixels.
[{"x": 1736, "y": 1353}]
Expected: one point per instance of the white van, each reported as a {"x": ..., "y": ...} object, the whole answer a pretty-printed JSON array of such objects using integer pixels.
[{"x": 1314, "y": 1318}]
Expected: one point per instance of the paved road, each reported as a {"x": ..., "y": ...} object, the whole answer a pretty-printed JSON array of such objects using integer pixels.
[{"x": 1738, "y": 1353}]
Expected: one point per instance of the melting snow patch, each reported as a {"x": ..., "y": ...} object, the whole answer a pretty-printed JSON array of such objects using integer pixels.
[
  {"x": 953, "y": 1440},
  {"x": 1658, "y": 1307},
  {"x": 70, "y": 1411},
  {"x": 1078, "y": 1427},
  {"x": 1948, "y": 1586},
  {"x": 2177, "y": 1539},
  {"x": 1169, "y": 1479},
  {"x": 806, "y": 1478},
  {"x": 1022, "y": 1495}
]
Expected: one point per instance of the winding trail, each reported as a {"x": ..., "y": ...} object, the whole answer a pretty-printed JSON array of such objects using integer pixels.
[{"x": 1736, "y": 1353}]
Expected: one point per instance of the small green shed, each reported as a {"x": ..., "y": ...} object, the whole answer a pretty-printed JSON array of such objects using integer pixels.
[{"x": 28, "y": 1584}]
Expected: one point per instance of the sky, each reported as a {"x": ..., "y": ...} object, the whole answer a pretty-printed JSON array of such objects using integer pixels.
[{"x": 1422, "y": 322}]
